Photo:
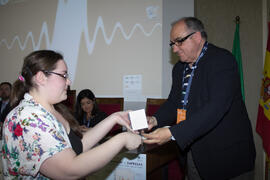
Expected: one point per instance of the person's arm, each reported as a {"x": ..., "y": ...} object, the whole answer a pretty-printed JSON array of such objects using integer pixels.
[
  {"x": 95, "y": 134},
  {"x": 218, "y": 88},
  {"x": 66, "y": 165},
  {"x": 166, "y": 114},
  {"x": 212, "y": 95}
]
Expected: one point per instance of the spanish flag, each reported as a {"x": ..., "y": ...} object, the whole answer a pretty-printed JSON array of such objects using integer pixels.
[{"x": 263, "y": 120}]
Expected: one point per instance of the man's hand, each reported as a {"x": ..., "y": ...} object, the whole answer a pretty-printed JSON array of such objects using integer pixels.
[
  {"x": 159, "y": 136},
  {"x": 152, "y": 122}
]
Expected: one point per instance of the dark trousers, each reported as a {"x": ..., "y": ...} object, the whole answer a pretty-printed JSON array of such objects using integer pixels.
[{"x": 193, "y": 174}]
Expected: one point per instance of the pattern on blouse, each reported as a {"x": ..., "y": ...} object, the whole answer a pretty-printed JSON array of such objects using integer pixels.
[{"x": 30, "y": 135}]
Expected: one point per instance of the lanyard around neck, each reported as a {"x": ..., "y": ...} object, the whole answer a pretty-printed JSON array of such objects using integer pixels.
[
  {"x": 86, "y": 121},
  {"x": 192, "y": 74}
]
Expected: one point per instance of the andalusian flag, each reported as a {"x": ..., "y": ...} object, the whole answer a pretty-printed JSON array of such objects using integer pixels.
[
  {"x": 236, "y": 51},
  {"x": 263, "y": 120}
]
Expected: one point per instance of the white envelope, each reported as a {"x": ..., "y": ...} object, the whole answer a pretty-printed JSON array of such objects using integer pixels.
[{"x": 138, "y": 119}]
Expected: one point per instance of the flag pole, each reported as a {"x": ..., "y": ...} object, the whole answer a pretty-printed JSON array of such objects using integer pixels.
[{"x": 237, "y": 19}]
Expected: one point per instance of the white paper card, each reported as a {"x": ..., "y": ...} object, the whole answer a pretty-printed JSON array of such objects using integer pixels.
[{"x": 138, "y": 119}]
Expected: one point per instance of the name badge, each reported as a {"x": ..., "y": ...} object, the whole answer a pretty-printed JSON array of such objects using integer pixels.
[{"x": 181, "y": 115}]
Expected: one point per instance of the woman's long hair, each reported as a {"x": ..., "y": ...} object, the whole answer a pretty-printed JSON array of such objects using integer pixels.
[
  {"x": 73, "y": 123},
  {"x": 42, "y": 60}
]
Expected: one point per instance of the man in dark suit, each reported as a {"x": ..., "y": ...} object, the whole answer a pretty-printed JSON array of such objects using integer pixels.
[
  {"x": 205, "y": 111},
  {"x": 5, "y": 88}
]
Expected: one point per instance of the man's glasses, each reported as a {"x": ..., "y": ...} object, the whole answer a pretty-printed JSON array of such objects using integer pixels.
[
  {"x": 179, "y": 42},
  {"x": 65, "y": 76}
]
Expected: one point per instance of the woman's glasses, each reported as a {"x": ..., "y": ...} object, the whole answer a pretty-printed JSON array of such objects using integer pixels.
[{"x": 65, "y": 76}]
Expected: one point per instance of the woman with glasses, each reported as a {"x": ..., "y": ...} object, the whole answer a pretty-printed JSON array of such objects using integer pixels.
[
  {"x": 37, "y": 138},
  {"x": 87, "y": 112}
]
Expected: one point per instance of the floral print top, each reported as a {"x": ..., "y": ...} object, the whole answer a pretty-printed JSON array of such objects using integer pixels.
[{"x": 30, "y": 135}]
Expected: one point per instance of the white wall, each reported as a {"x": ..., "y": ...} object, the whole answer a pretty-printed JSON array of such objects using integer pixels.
[{"x": 172, "y": 11}]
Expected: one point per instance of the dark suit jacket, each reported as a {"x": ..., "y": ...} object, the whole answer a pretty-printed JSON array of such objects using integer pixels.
[
  {"x": 217, "y": 129},
  {"x": 5, "y": 112}
]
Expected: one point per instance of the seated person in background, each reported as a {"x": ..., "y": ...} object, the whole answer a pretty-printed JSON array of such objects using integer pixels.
[
  {"x": 87, "y": 111},
  {"x": 5, "y": 88},
  {"x": 36, "y": 143}
]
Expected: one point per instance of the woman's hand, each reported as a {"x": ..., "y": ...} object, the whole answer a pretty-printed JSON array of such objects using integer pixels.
[
  {"x": 132, "y": 141},
  {"x": 83, "y": 128},
  {"x": 122, "y": 119}
]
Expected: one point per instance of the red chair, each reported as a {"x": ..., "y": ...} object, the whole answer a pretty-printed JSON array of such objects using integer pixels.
[
  {"x": 175, "y": 172},
  {"x": 109, "y": 106},
  {"x": 152, "y": 105}
]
